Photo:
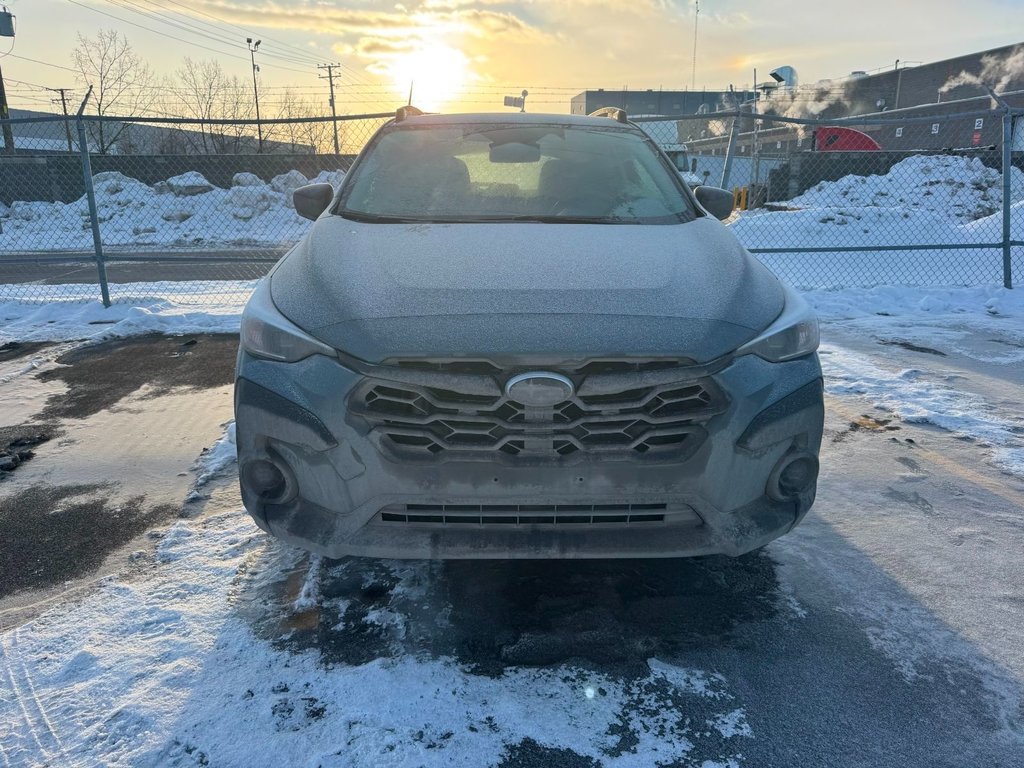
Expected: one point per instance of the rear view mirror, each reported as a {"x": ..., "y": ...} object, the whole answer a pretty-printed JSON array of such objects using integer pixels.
[
  {"x": 716, "y": 201},
  {"x": 312, "y": 200},
  {"x": 513, "y": 152}
]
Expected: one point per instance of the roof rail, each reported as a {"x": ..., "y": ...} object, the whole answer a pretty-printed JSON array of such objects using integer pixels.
[
  {"x": 407, "y": 111},
  {"x": 619, "y": 115}
]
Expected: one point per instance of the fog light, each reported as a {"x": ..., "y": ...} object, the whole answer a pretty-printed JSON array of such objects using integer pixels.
[
  {"x": 265, "y": 479},
  {"x": 793, "y": 476}
]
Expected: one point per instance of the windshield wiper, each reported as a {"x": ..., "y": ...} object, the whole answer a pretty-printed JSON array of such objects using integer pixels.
[
  {"x": 526, "y": 219},
  {"x": 379, "y": 218}
]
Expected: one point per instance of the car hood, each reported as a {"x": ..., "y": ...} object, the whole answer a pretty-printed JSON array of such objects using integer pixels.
[{"x": 499, "y": 291}]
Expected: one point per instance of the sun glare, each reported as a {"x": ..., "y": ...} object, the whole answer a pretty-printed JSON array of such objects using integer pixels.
[{"x": 437, "y": 74}]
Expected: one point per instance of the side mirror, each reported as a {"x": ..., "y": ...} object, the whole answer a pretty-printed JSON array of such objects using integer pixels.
[
  {"x": 716, "y": 201},
  {"x": 312, "y": 200}
]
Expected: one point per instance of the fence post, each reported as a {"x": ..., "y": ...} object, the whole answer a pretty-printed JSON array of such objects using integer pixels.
[
  {"x": 90, "y": 194},
  {"x": 727, "y": 167},
  {"x": 1007, "y": 191}
]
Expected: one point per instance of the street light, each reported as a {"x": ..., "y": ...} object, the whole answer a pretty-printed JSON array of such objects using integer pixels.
[{"x": 253, "y": 47}]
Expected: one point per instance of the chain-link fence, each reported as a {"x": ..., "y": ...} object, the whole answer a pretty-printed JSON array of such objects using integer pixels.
[
  {"x": 193, "y": 210},
  {"x": 933, "y": 200},
  {"x": 185, "y": 209}
]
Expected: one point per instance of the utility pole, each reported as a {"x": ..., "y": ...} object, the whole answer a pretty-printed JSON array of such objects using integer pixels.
[
  {"x": 253, "y": 47},
  {"x": 64, "y": 106},
  {"x": 693, "y": 73},
  {"x": 5, "y": 114},
  {"x": 334, "y": 114}
]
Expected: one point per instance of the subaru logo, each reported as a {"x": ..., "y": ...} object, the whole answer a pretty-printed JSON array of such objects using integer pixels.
[{"x": 539, "y": 389}]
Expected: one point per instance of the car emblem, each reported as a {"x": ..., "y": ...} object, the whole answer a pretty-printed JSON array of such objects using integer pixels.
[{"x": 539, "y": 389}]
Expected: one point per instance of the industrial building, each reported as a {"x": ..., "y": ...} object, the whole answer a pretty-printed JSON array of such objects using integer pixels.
[{"x": 658, "y": 102}]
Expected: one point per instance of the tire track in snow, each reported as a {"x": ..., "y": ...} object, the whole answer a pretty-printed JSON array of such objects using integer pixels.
[{"x": 37, "y": 724}]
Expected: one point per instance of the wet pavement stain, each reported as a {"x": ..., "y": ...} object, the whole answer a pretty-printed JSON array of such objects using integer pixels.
[
  {"x": 529, "y": 754},
  {"x": 491, "y": 615},
  {"x": 52, "y": 534},
  {"x": 911, "y": 347},
  {"x": 100, "y": 375},
  {"x": 97, "y": 446}
]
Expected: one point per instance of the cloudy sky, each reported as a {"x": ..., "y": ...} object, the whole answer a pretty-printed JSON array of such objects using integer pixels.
[{"x": 473, "y": 51}]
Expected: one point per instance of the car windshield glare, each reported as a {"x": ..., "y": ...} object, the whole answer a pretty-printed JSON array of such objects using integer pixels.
[{"x": 507, "y": 172}]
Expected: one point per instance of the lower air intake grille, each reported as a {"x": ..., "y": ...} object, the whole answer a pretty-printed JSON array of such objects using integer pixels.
[{"x": 524, "y": 514}]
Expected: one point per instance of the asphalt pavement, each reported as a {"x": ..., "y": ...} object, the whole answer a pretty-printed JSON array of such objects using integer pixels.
[{"x": 137, "y": 266}]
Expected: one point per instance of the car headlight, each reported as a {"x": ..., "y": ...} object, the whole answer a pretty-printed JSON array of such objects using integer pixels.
[
  {"x": 793, "y": 334},
  {"x": 269, "y": 334}
]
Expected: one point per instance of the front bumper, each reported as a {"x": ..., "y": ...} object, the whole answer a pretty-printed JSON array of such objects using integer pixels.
[{"x": 345, "y": 496}]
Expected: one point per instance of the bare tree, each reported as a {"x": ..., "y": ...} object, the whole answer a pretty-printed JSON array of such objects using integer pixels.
[
  {"x": 202, "y": 85},
  {"x": 120, "y": 81},
  {"x": 304, "y": 137},
  {"x": 208, "y": 94}
]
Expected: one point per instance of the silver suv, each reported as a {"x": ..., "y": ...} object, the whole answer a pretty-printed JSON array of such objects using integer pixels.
[{"x": 524, "y": 336}]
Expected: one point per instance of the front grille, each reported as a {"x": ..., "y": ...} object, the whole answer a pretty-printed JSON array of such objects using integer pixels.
[
  {"x": 525, "y": 514},
  {"x": 428, "y": 421}
]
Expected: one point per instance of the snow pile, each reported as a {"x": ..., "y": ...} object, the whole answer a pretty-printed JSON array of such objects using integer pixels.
[
  {"x": 184, "y": 211},
  {"x": 923, "y": 200},
  {"x": 215, "y": 460},
  {"x": 948, "y": 185}
]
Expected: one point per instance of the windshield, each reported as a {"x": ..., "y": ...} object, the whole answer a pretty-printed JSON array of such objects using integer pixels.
[{"x": 503, "y": 172}]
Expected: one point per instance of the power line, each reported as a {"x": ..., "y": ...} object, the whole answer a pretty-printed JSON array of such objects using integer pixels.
[
  {"x": 173, "y": 37},
  {"x": 354, "y": 74},
  {"x": 191, "y": 28},
  {"x": 37, "y": 61},
  {"x": 196, "y": 11}
]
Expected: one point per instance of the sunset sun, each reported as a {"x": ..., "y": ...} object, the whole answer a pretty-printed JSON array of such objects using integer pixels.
[{"x": 437, "y": 74}]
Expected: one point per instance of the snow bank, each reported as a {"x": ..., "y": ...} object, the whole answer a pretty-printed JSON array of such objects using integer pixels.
[
  {"x": 71, "y": 312},
  {"x": 186, "y": 210},
  {"x": 948, "y": 185}
]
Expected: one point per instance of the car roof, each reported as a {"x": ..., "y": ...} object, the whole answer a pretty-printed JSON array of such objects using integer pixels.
[{"x": 523, "y": 118}]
